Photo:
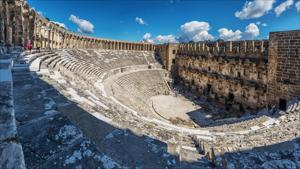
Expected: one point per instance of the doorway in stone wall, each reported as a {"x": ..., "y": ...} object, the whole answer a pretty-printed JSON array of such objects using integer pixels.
[
  {"x": 208, "y": 89},
  {"x": 282, "y": 104}
]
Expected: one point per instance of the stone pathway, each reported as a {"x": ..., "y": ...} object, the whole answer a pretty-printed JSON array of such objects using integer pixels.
[{"x": 11, "y": 155}]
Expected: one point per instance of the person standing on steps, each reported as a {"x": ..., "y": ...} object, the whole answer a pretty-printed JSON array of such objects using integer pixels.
[{"x": 28, "y": 45}]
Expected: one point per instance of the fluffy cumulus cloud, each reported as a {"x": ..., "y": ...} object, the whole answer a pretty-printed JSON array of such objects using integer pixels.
[
  {"x": 147, "y": 38},
  {"x": 195, "y": 31},
  {"x": 60, "y": 24},
  {"x": 190, "y": 31},
  {"x": 84, "y": 26},
  {"x": 251, "y": 31},
  {"x": 159, "y": 39},
  {"x": 140, "y": 21},
  {"x": 166, "y": 39},
  {"x": 298, "y": 6},
  {"x": 229, "y": 35},
  {"x": 283, "y": 6},
  {"x": 255, "y": 9}
]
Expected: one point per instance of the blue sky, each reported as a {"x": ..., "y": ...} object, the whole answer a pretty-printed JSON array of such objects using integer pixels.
[{"x": 181, "y": 20}]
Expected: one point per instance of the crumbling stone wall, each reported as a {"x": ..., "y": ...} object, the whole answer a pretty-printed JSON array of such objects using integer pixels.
[
  {"x": 231, "y": 73},
  {"x": 284, "y": 67}
]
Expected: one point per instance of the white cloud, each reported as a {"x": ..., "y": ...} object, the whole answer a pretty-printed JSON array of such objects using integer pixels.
[
  {"x": 84, "y": 26},
  {"x": 195, "y": 31},
  {"x": 166, "y": 39},
  {"x": 255, "y": 9},
  {"x": 264, "y": 24},
  {"x": 147, "y": 38},
  {"x": 298, "y": 6},
  {"x": 229, "y": 35},
  {"x": 258, "y": 23},
  {"x": 159, "y": 38},
  {"x": 283, "y": 6},
  {"x": 140, "y": 21},
  {"x": 251, "y": 31},
  {"x": 60, "y": 24}
]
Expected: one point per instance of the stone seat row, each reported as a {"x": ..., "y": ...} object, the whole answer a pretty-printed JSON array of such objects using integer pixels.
[
  {"x": 135, "y": 89},
  {"x": 112, "y": 63},
  {"x": 100, "y": 55}
]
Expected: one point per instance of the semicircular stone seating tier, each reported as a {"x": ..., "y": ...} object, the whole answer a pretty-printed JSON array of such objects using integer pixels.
[{"x": 136, "y": 89}]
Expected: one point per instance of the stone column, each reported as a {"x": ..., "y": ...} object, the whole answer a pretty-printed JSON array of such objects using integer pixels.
[
  {"x": 217, "y": 48},
  {"x": 261, "y": 46},
  {"x": 229, "y": 46},
  {"x": 243, "y": 47}
]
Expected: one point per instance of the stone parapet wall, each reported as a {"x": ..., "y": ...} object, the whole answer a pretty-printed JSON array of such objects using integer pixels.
[
  {"x": 252, "y": 48},
  {"x": 50, "y": 35},
  {"x": 11, "y": 154}
]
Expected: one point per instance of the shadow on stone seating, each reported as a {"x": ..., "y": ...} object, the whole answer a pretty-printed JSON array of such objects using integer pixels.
[{"x": 122, "y": 145}]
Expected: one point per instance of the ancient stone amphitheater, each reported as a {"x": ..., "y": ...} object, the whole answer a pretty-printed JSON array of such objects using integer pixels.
[{"x": 84, "y": 102}]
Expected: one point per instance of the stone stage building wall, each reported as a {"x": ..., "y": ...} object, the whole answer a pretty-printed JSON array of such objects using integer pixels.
[
  {"x": 241, "y": 75},
  {"x": 20, "y": 23},
  {"x": 284, "y": 67},
  {"x": 231, "y": 73}
]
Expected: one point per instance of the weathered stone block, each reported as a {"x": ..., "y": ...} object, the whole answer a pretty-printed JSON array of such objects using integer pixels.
[{"x": 11, "y": 156}]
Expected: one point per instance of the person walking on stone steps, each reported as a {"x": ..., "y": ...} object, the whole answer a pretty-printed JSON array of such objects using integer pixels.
[{"x": 28, "y": 45}]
